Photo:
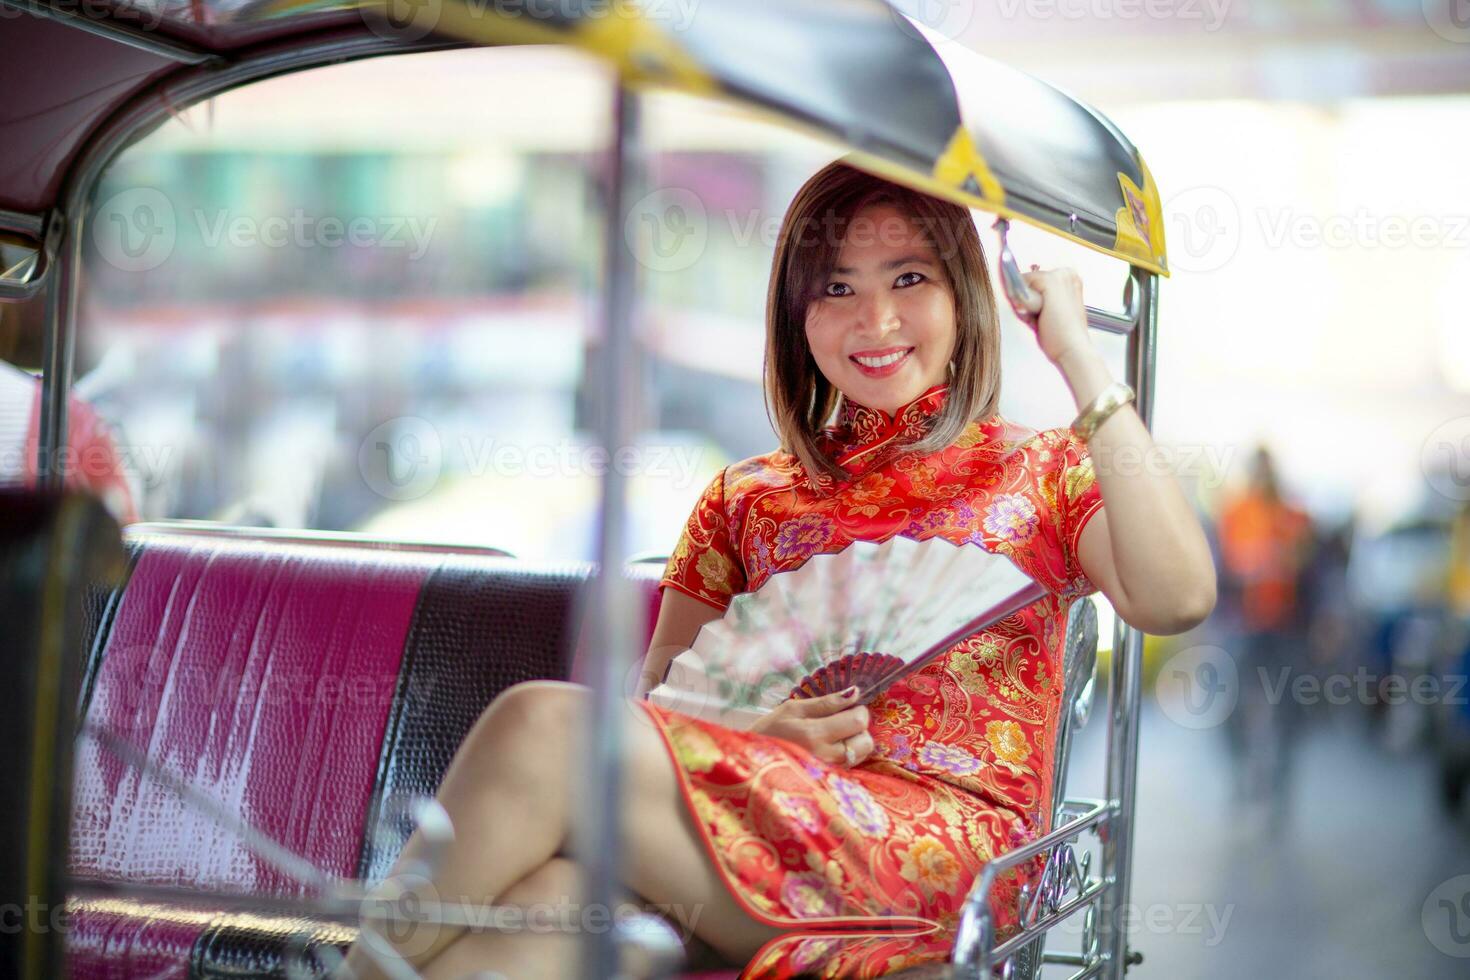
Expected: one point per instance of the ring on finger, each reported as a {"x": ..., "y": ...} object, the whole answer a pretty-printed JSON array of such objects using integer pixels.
[{"x": 849, "y": 752}]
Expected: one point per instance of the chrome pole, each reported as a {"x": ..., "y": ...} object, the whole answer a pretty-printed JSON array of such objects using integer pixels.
[
  {"x": 1125, "y": 683},
  {"x": 615, "y": 619},
  {"x": 57, "y": 349}
]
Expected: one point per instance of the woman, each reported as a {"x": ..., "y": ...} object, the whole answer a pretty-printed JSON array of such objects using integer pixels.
[{"x": 829, "y": 814}]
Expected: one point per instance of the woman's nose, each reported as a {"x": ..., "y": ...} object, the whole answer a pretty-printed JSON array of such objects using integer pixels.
[{"x": 877, "y": 314}]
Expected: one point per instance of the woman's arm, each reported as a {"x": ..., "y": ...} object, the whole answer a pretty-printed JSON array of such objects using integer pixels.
[
  {"x": 1145, "y": 550},
  {"x": 679, "y": 618}
]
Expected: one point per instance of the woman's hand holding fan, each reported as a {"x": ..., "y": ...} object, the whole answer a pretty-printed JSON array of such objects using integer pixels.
[
  {"x": 862, "y": 617},
  {"x": 832, "y": 727}
]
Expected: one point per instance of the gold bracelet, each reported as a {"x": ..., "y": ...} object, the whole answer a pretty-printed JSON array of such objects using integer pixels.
[{"x": 1108, "y": 401}]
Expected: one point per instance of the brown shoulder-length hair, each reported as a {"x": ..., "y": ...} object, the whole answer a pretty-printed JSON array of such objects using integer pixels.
[{"x": 799, "y": 398}]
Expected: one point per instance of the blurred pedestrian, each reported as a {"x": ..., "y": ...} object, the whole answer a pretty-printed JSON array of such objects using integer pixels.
[
  {"x": 90, "y": 458},
  {"x": 1265, "y": 543}
]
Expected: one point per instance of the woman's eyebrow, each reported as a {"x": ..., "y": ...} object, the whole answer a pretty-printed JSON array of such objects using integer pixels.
[{"x": 847, "y": 270}]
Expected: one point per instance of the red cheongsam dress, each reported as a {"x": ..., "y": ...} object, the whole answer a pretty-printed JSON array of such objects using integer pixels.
[{"x": 962, "y": 769}]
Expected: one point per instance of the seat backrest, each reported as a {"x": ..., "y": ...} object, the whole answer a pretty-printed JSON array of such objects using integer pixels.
[{"x": 305, "y": 683}]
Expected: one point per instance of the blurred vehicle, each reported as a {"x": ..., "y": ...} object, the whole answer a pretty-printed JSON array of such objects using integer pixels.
[
  {"x": 1396, "y": 578},
  {"x": 1451, "y": 668}
]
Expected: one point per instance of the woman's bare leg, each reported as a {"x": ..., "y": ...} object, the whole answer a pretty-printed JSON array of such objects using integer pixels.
[
  {"x": 509, "y": 792},
  {"x": 548, "y": 894}
]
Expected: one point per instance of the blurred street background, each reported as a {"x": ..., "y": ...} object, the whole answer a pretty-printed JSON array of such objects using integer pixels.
[{"x": 370, "y": 292}]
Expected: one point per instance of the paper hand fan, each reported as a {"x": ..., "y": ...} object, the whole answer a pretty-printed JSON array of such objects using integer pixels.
[{"x": 866, "y": 615}]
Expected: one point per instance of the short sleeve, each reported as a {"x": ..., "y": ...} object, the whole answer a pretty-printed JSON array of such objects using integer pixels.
[
  {"x": 705, "y": 563},
  {"x": 1069, "y": 488}
]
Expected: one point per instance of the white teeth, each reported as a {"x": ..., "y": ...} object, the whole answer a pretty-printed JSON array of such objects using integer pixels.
[{"x": 876, "y": 362}]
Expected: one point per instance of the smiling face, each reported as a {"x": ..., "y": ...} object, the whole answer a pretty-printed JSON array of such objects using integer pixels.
[{"x": 882, "y": 325}]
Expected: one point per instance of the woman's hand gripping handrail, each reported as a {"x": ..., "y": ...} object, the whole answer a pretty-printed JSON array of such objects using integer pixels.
[{"x": 1027, "y": 304}]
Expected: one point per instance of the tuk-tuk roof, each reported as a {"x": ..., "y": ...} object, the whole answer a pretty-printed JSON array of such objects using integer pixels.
[{"x": 909, "y": 104}]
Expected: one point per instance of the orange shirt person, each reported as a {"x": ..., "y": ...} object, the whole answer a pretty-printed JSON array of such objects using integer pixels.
[{"x": 1263, "y": 542}]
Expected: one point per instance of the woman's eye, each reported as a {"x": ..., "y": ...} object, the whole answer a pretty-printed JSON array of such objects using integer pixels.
[
  {"x": 909, "y": 279},
  {"x": 838, "y": 289}
]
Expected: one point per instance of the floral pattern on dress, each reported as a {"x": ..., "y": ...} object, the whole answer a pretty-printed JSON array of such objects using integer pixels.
[{"x": 961, "y": 770}]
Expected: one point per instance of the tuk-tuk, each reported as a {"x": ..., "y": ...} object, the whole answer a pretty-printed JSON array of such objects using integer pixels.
[{"x": 83, "y": 84}]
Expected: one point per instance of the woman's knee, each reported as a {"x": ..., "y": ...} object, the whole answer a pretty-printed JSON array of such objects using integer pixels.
[{"x": 531, "y": 717}]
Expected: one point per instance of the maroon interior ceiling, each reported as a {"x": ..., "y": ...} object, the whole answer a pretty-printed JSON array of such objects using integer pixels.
[{"x": 58, "y": 83}]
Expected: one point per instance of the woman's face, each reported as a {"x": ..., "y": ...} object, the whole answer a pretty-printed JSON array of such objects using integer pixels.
[{"x": 882, "y": 328}]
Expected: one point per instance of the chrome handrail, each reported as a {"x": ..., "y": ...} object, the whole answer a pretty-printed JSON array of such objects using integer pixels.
[
  {"x": 1027, "y": 303},
  {"x": 351, "y": 539},
  {"x": 975, "y": 951}
]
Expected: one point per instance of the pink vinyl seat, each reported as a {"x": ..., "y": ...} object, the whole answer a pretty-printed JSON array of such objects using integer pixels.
[{"x": 306, "y": 683}]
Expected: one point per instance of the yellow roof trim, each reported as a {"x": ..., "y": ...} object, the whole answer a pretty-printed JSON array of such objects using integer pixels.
[
  {"x": 644, "y": 55},
  {"x": 1141, "y": 221},
  {"x": 963, "y": 167}
]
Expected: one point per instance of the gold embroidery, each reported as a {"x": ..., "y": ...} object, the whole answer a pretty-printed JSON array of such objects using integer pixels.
[
  {"x": 929, "y": 864},
  {"x": 696, "y": 749},
  {"x": 716, "y": 571},
  {"x": 1008, "y": 742},
  {"x": 868, "y": 494},
  {"x": 1077, "y": 479}
]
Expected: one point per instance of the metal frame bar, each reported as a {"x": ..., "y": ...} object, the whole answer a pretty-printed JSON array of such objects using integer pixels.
[
  {"x": 122, "y": 32},
  {"x": 45, "y": 229},
  {"x": 342, "y": 539},
  {"x": 614, "y": 614},
  {"x": 1125, "y": 681},
  {"x": 22, "y": 221},
  {"x": 57, "y": 349},
  {"x": 973, "y": 952}
]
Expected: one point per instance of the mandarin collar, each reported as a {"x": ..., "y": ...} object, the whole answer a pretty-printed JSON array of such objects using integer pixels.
[{"x": 860, "y": 425}]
